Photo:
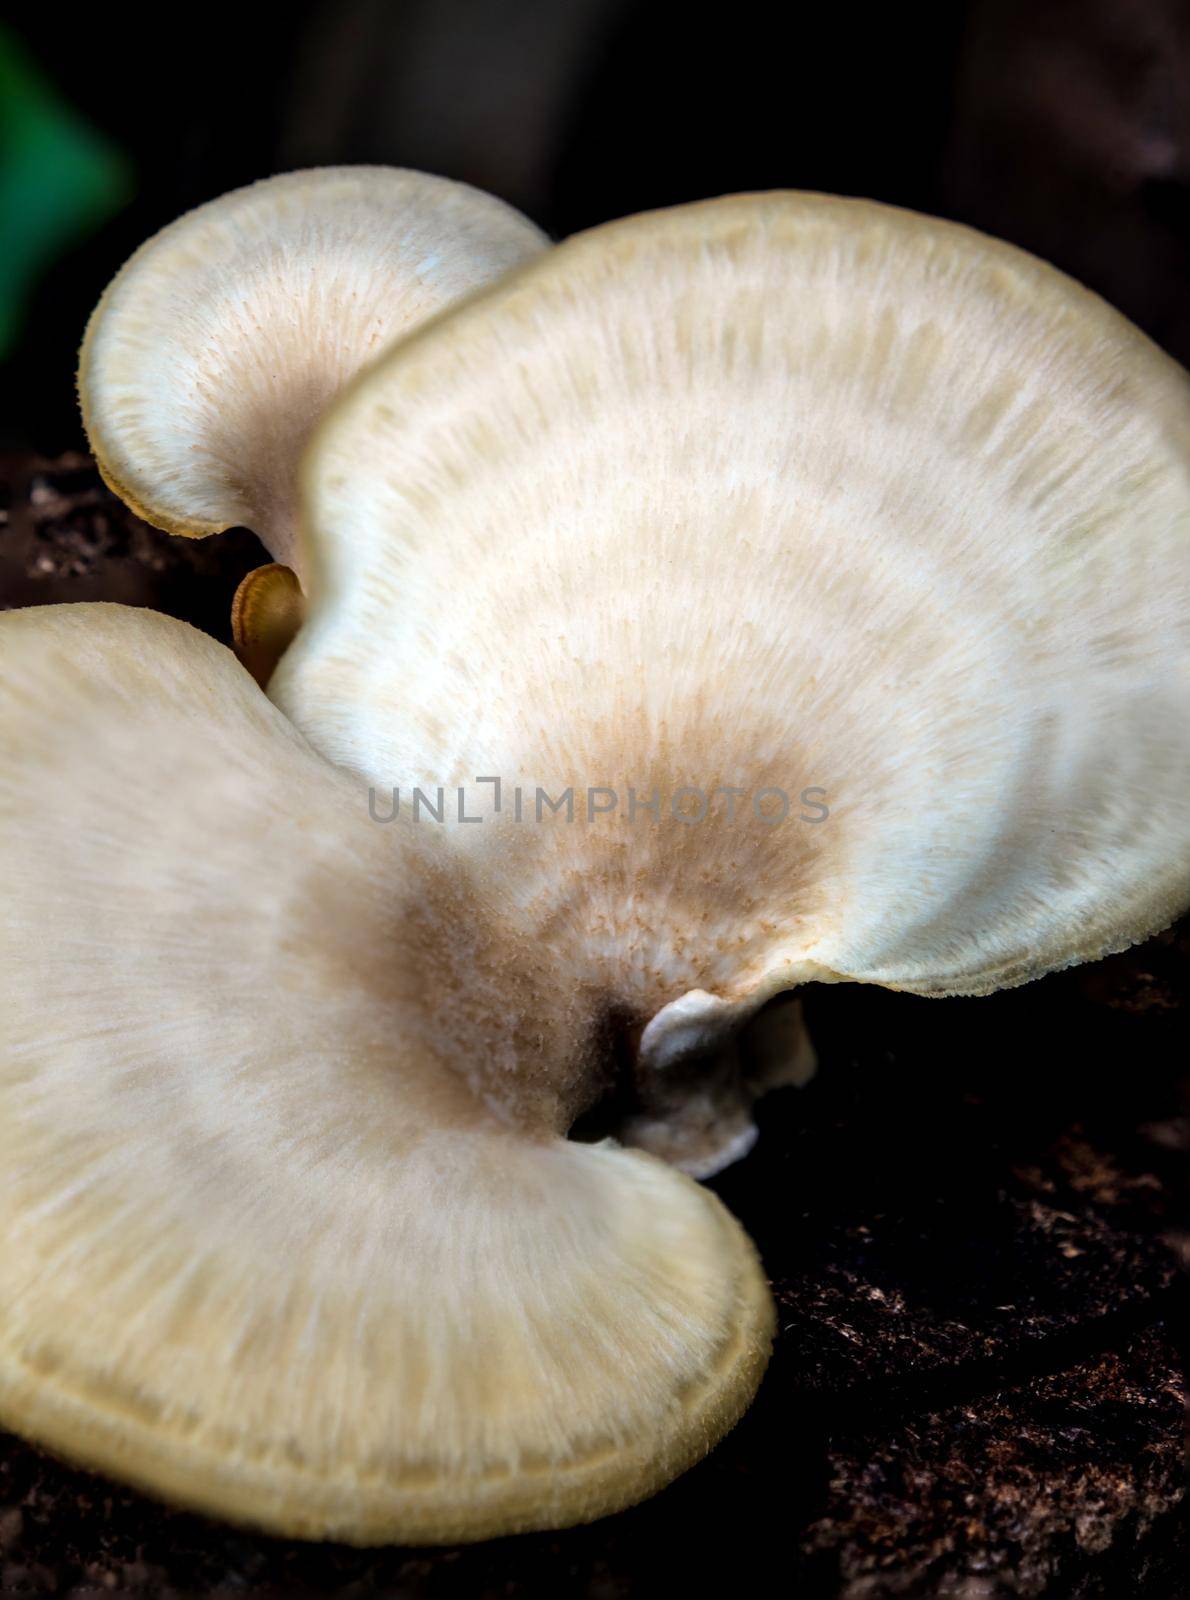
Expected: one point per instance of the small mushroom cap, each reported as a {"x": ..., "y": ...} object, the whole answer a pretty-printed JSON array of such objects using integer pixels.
[
  {"x": 266, "y": 614},
  {"x": 217, "y": 347},
  {"x": 266, "y": 1253},
  {"x": 779, "y": 492}
]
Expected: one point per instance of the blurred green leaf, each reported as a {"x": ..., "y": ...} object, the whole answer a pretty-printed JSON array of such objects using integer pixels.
[{"x": 59, "y": 179}]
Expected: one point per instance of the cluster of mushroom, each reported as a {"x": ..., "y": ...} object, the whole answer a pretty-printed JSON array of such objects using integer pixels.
[{"x": 746, "y": 496}]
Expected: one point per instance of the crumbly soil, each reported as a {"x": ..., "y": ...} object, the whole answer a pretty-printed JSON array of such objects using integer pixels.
[{"x": 972, "y": 1219}]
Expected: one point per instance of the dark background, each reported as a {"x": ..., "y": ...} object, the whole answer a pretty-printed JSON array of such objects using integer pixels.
[
  {"x": 1063, "y": 125},
  {"x": 972, "y": 1216}
]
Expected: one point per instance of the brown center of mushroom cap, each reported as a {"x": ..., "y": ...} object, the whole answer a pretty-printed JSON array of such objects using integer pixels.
[{"x": 599, "y": 967}]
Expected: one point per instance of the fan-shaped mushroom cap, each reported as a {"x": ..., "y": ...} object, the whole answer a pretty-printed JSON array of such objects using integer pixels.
[
  {"x": 217, "y": 347},
  {"x": 775, "y": 492},
  {"x": 265, "y": 1250}
]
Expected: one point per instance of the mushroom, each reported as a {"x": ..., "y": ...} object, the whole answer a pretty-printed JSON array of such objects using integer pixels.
[
  {"x": 266, "y": 613},
  {"x": 699, "y": 526},
  {"x": 219, "y": 344}
]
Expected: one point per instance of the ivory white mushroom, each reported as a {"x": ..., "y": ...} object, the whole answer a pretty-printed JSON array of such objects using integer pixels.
[
  {"x": 777, "y": 494},
  {"x": 218, "y": 346}
]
